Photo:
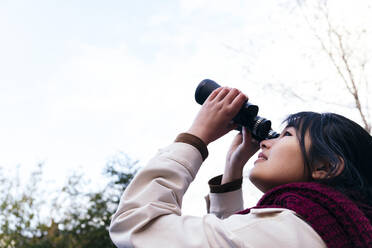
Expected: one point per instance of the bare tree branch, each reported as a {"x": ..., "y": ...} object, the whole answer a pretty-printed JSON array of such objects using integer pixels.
[
  {"x": 340, "y": 57},
  {"x": 355, "y": 92}
]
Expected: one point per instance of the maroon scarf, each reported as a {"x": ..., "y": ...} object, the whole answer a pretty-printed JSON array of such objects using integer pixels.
[{"x": 338, "y": 220}]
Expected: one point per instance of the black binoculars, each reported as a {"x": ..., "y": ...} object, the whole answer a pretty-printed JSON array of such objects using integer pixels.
[{"x": 247, "y": 115}]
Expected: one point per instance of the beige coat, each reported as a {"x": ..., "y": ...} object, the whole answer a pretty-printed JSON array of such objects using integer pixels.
[{"x": 149, "y": 213}]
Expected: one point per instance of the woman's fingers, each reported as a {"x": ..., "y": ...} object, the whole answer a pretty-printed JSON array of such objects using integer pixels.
[
  {"x": 228, "y": 95},
  {"x": 245, "y": 135},
  {"x": 214, "y": 94},
  {"x": 222, "y": 93},
  {"x": 239, "y": 100},
  {"x": 233, "y": 93}
]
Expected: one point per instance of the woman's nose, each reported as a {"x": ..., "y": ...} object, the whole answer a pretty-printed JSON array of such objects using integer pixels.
[{"x": 267, "y": 143}]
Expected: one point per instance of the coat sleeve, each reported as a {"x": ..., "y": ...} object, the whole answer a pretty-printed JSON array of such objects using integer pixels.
[
  {"x": 225, "y": 204},
  {"x": 224, "y": 199},
  {"x": 149, "y": 212}
]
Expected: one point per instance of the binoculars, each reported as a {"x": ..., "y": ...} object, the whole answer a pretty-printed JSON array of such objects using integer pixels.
[{"x": 259, "y": 127}]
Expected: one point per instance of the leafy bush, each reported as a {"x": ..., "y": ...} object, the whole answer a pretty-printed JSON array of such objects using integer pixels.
[{"x": 79, "y": 218}]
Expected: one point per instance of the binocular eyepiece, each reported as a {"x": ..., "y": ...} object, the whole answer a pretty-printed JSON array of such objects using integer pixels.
[{"x": 247, "y": 115}]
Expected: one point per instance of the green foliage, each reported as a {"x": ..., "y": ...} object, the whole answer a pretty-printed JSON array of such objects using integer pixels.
[{"x": 79, "y": 219}]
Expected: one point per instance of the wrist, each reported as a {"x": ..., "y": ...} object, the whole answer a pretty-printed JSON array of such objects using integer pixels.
[
  {"x": 231, "y": 175},
  {"x": 199, "y": 134}
]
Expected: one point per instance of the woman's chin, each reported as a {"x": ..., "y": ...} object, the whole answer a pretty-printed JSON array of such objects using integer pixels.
[
  {"x": 259, "y": 161},
  {"x": 257, "y": 181}
]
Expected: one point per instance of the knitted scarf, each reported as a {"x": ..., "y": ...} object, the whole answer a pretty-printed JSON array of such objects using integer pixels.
[{"x": 338, "y": 220}]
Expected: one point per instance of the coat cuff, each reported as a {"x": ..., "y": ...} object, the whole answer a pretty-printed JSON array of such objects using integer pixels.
[
  {"x": 216, "y": 187},
  {"x": 195, "y": 142}
]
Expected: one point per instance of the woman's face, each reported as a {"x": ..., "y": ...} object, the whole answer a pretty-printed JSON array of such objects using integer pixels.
[{"x": 279, "y": 162}]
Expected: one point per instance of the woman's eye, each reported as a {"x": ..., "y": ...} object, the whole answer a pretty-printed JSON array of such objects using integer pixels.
[{"x": 286, "y": 133}]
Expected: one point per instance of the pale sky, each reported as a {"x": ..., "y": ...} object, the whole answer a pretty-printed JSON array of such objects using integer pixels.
[{"x": 81, "y": 81}]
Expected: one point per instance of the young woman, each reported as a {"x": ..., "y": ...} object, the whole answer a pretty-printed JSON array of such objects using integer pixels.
[{"x": 317, "y": 180}]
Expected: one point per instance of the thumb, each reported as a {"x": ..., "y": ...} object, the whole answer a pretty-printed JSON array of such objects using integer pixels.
[
  {"x": 247, "y": 136},
  {"x": 232, "y": 125}
]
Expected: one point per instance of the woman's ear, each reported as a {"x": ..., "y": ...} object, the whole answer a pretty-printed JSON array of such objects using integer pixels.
[{"x": 327, "y": 170}]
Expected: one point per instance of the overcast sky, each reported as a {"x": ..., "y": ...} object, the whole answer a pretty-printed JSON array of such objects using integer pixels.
[{"x": 81, "y": 81}]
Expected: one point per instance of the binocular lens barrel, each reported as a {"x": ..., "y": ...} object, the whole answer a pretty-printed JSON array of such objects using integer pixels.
[{"x": 247, "y": 116}]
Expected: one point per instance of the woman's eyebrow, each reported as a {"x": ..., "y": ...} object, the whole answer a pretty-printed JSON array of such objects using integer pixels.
[
  {"x": 284, "y": 129},
  {"x": 288, "y": 128}
]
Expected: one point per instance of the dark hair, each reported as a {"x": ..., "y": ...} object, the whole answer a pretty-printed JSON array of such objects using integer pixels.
[{"x": 335, "y": 138}]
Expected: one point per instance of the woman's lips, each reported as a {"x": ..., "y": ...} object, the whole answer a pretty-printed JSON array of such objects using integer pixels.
[{"x": 261, "y": 157}]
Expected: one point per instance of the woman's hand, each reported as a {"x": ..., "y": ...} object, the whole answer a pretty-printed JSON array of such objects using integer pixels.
[
  {"x": 241, "y": 150},
  {"x": 215, "y": 116}
]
